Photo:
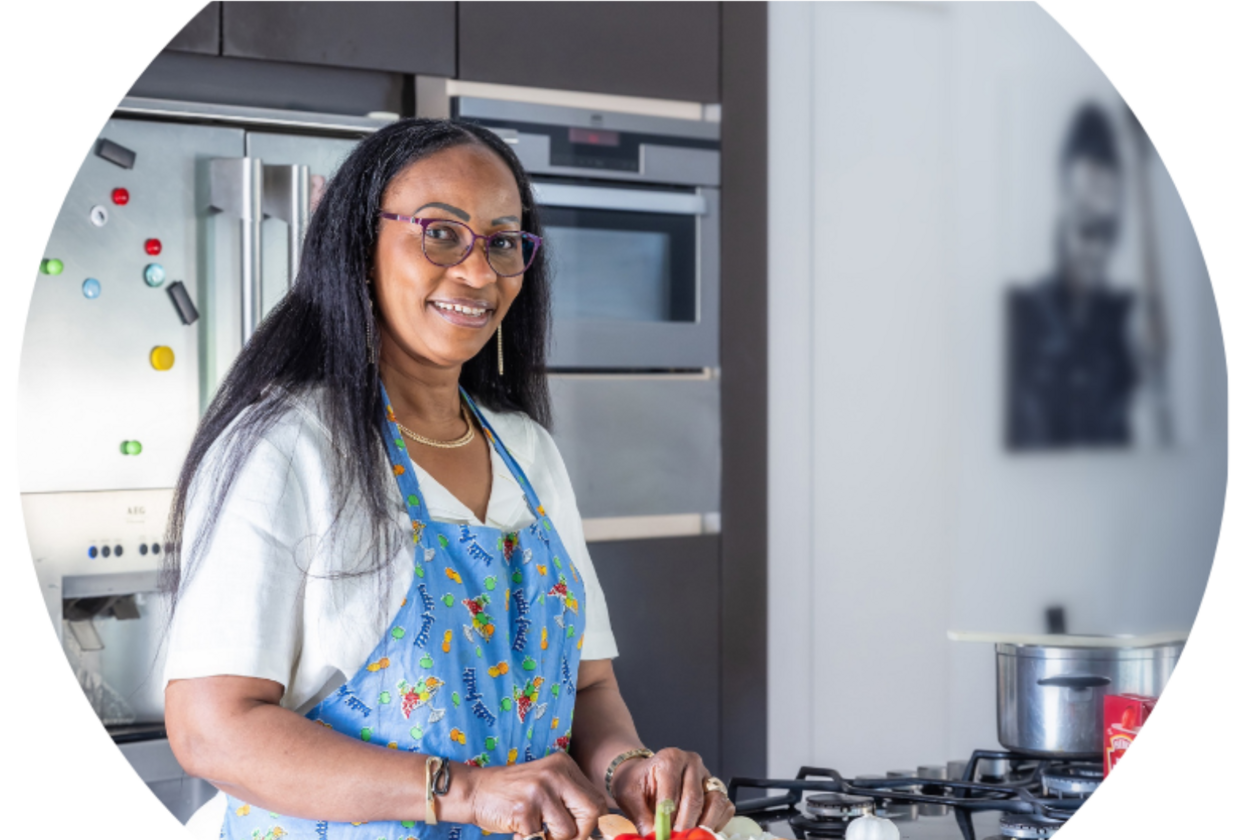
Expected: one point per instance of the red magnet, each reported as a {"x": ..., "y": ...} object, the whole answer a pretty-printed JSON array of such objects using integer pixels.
[
  {"x": 152, "y": 246},
  {"x": 120, "y": 196}
]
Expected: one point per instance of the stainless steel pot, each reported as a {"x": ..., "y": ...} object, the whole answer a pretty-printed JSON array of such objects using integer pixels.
[{"x": 1050, "y": 697}]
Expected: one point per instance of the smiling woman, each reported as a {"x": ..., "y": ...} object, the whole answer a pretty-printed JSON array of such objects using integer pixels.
[{"x": 380, "y": 583}]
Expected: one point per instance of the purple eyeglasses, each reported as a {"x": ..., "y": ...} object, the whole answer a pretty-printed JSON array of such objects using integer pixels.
[{"x": 447, "y": 243}]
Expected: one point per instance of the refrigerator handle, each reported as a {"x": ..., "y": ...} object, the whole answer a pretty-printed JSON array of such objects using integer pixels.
[
  {"x": 287, "y": 196},
  {"x": 235, "y": 186}
]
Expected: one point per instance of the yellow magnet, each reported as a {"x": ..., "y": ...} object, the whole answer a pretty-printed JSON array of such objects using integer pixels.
[{"x": 162, "y": 357}]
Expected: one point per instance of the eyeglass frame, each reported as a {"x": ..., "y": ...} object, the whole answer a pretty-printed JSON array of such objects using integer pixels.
[{"x": 471, "y": 246}]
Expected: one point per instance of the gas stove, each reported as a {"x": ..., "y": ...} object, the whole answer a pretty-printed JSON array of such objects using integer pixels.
[{"x": 995, "y": 795}]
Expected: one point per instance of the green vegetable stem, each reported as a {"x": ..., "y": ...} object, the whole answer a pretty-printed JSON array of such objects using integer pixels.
[{"x": 662, "y": 820}]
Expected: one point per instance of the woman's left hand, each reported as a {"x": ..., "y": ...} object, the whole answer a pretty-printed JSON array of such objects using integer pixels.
[{"x": 640, "y": 784}]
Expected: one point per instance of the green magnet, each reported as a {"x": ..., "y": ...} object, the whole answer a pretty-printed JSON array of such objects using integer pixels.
[
  {"x": 52, "y": 266},
  {"x": 131, "y": 447}
]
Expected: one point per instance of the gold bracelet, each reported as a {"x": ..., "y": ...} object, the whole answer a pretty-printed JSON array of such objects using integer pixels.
[
  {"x": 431, "y": 767},
  {"x": 619, "y": 759}
]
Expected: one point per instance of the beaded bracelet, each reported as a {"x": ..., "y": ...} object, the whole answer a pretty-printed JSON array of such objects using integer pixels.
[{"x": 619, "y": 759}]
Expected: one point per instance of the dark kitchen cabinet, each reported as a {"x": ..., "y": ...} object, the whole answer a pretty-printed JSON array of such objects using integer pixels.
[
  {"x": 663, "y": 596},
  {"x": 202, "y": 34},
  {"x": 399, "y": 37},
  {"x": 664, "y": 50}
]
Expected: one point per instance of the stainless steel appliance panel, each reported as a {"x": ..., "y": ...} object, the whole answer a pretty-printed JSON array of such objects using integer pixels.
[
  {"x": 682, "y": 230},
  {"x": 640, "y": 445},
  {"x": 86, "y": 384},
  {"x": 155, "y": 764},
  {"x": 322, "y": 156}
]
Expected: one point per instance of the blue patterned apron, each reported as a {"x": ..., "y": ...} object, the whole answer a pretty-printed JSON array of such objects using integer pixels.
[{"x": 479, "y": 665}]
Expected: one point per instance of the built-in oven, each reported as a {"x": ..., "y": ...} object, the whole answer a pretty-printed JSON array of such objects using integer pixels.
[{"x": 630, "y": 207}]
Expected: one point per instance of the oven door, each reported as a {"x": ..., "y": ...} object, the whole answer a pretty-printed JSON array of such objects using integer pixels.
[{"x": 635, "y": 276}]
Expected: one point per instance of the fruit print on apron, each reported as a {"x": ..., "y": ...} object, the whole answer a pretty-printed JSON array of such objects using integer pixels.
[{"x": 478, "y": 666}]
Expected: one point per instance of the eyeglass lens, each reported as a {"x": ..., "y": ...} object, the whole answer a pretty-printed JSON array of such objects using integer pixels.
[{"x": 509, "y": 252}]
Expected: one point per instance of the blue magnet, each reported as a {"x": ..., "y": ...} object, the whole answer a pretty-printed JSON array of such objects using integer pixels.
[
  {"x": 90, "y": 288},
  {"x": 154, "y": 275}
]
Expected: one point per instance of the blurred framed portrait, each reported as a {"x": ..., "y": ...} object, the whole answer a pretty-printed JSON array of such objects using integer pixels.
[{"x": 1097, "y": 328}]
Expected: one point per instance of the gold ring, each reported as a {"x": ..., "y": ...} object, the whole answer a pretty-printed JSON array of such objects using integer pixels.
[{"x": 714, "y": 784}]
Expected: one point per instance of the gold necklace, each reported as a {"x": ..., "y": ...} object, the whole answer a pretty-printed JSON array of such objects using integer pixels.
[{"x": 443, "y": 444}]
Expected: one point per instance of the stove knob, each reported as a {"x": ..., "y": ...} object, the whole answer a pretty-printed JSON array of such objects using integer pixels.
[
  {"x": 52, "y": 266},
  {"x": 90, "y": 288},
  {"x": 154, "y": 275},
  {"x": 152, "y": 247},
  {"x": 120, "y": 196},
  {"x": 99, "y": 215},
  {"x": 162, "y": 357}
]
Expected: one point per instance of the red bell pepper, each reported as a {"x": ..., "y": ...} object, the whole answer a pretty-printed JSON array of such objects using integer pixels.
[
  {"x": 690, "y": 834},
  {"x": 662, "y": 827}
]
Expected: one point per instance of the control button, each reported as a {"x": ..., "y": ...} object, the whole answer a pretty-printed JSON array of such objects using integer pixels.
[
  {"x": 105, "y": 551},
  {"x": 152, "y": 246},
  {"x": 154, "y": 275},
  {"x": 155, "y": 548},
  {"x": 52, "y": 266},
  {"x": 120, "y": 196},
  {"x": 131, "y": 447},
  {"x": 117, "y": 551},
  {"x": 93, "y": 552},
  {"x": 91, "y": 288},
  {"x": 162, "y": 357},
  {"x": 99, "y": 215}
]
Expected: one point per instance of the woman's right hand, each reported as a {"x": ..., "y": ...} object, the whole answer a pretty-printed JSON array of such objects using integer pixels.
[{"x": 525, "y": 799}]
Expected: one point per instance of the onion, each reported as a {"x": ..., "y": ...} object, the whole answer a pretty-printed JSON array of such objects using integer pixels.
[
  {"x": 741, "y": 826},
  {"x": 870, "y": 827}
]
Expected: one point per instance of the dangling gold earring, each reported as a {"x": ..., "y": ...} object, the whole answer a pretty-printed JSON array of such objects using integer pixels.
[
  {"x": 501, "y": 367},
  {"x": 368, "y": 326}
]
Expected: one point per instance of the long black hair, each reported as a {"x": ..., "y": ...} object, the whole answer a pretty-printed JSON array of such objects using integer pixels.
[{"x": 318, "y": 337}]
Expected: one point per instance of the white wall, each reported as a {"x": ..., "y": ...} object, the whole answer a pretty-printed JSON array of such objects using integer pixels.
[{"x": 912, "y": 176}]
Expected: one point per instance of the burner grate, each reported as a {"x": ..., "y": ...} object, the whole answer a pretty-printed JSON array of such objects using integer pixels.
[{"x": 1035, "y": 795}]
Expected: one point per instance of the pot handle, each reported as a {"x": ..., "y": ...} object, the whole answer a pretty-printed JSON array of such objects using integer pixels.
[{"x": 1076, "y": 681}]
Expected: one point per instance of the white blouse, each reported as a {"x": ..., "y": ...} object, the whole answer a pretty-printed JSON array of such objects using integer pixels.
[{"x": 263, "y": 600}]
